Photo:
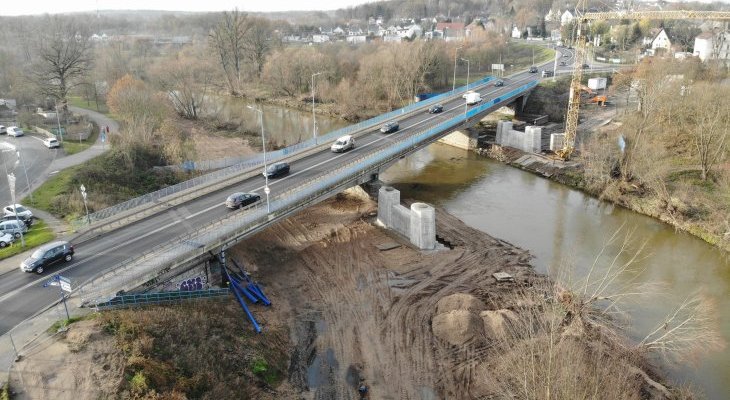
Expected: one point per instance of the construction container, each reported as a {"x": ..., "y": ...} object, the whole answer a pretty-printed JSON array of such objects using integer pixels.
[{"x": 597, "y": 83}]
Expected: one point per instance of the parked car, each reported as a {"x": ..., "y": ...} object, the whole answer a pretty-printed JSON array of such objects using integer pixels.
[
  {"x": 240, "y": 199},
  {"x": 277, "y": 169},
  {"x": 562, "y": 63},
  {"x": 499, "y": 83},
  {"x": 51, "y": 143},
  {"x": 3, "y": 129},
  {"x": 389, "y": 127},
  {"x": 6, "y": 240},
  {"x": 343, "y": 143},
  {"x": 435, "y": 109},
  {"x": 48, "y": 255},
  {"x": 586, "y": 66},
  {"x": 19, "y": 209},
  {"x": 546, "y": 73},
  {"x": 27, "y": 221},
  {"x": 15, "y": 131},
  {"x": 566, "y": 55},
  {"x": 533, "y": 70},
  {"x": 14, "y": 228}
]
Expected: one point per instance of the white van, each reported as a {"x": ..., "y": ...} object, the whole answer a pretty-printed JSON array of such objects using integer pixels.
[
  {"x": 343, "y": 143},
  {"x": 15, "y": 131}
]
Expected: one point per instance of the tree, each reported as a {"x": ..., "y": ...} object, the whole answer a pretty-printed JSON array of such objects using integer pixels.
[
  {"x": 227, "y": 40},
  {"x": 257, "y": 42},
  {"x": 141, "y": 110},
  {"x": 63, "y": 57},
  {"x": 705, "y": 117},
  {"x": 186, "y": 81}
]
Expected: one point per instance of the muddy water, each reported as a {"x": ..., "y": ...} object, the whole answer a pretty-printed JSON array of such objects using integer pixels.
[
  {"x": 283, "y": 126},
  {"x": 561, "y": 226}
]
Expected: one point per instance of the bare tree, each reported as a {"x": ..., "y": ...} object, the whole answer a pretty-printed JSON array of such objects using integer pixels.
[
  {"x": 227, "y": 40},
  {"x": 186, "y": 81},
  {"x": 257, "y": 42},
  {"x": 63, "y": 57}
]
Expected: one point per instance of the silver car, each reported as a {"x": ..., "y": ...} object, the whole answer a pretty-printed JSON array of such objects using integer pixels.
[{"x": 6, "y": 240}]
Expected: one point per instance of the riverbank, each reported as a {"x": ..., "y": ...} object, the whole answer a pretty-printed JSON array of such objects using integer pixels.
[
  {"x": 353, "y": 304},
  {"x": 624, "y": 194}
]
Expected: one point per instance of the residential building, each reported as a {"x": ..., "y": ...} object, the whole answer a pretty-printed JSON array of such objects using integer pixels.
[
  {"x": 713, "y": 46},
  {"x": 451, "y": 30},
  {"x": 661, "y": 41},
  {"x": 566, "y": 18},
  {"x": 356, "y": 39},
  {"x": 516, "y": 34}
]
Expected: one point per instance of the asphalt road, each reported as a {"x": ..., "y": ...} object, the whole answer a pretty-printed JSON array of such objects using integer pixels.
[
  {"x": 22, "y": 294},
  {"x": 34, "y": 159}
]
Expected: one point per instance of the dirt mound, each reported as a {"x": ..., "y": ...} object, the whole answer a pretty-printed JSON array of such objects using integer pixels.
[
  {"x": 496, "y": 322},
  {"x": 457, "y": 327},
  {"x": 459, "y": 301}
]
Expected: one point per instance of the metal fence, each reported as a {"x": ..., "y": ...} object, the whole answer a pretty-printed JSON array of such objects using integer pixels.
[
  {"x": 148, "y": 266},
  {"x": 140, "y": 299},
  {"x": 241, "y": 165}
]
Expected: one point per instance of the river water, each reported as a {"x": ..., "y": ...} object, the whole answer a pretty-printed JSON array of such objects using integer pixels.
[{"x": 561, "y": 226}]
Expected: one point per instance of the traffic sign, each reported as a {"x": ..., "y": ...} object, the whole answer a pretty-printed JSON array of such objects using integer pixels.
[
  {"x": 65, "y": 283},
  {"x": 83, "y": 191}
]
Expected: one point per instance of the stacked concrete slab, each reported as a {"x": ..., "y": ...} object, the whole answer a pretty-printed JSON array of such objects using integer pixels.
[
  {"x": 530, "y": 140},
  {"x": 417, "y": 224},
  {"x": 557, "y": 140}
]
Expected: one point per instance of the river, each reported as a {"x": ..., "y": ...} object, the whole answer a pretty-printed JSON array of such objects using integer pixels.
[{"x": 561, "y": 226}]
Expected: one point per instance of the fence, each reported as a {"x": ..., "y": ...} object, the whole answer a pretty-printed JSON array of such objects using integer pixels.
[
  {"x": 149, "y": 266},
  {"x": 257, "y": 160},
  {"x": 132, "y": 300}
]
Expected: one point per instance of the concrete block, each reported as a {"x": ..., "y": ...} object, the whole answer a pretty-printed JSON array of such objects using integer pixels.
[
  {"x": 535, "y": 139},
  {"x": 557, "y": 141},
  {"x": 400, "y": 220},
  {"x": 387, "y": 198},
  {"x": 423, "y": 226}
]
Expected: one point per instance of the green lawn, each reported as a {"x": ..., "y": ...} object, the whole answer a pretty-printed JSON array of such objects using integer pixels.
[
  {"x": 37, "y": 235},
  {"x": 75, "y": 146},
  {"x": 58, "y": 184}
]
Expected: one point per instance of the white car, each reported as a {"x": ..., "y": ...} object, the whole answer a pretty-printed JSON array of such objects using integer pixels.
[
  {"x": 51, "y": 143},
  {"x": 343, "y": 143},
  {"x": 15, "y": 131},
  {"x": 3, "y": 129},
  {"x": 6, "y": 240},
  {"x": 22, "y": 211}
]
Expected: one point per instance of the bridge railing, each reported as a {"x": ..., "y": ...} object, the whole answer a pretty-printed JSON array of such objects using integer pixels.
[
  {"x": 258, "y": 160},
  {"x": 150, "y": 265}
]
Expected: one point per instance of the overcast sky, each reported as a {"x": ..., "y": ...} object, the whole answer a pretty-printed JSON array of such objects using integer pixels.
[{"x": 20, "y": 7}]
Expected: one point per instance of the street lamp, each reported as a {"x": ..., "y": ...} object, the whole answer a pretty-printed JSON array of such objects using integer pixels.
[
  {"x": 314, "y": 117},
  {"x": 467, "y": 82},
  {"x": 27, "y": 181},
  {"x": 83, "y": 195},
  {"x": 263, "y": 145},
  {"x": 453, "y": 85}
]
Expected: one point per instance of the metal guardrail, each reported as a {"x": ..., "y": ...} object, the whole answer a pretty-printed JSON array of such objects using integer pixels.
[
  {"x": 258, "y": 160},
  {"x": 140, "y": 299},
  {"x": 158, "y": 260}
]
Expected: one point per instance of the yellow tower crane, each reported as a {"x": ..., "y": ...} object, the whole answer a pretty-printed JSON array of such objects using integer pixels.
[{"x": 571, "y": 119}]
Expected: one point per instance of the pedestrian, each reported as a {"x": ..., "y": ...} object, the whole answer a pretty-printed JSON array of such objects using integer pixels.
[{"x": 107, "y": 129}]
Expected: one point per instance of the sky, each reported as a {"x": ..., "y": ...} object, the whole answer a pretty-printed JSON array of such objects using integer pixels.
[{"x": 19, "y": 7}]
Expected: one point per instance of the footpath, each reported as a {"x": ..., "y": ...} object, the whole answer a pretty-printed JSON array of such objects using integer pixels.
[{"x": 59, "y": 227}]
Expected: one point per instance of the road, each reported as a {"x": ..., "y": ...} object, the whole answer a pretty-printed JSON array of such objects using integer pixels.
[
  {"x": 22, "y": 294},
  {"x": 34, "y": 159}
]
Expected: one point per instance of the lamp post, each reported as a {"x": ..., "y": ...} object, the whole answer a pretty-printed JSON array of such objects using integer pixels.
[
  {"x": 263, "y": 145},
  {"x": 467, "y": 82},
  {"x": 314, "y": 116},
  {"x": 27, "y": 181},
  {"x": 453, "y": 85},
  {"x": 83, "y": 195}
]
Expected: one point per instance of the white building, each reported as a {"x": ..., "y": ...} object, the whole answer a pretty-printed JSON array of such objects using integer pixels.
[
  {"x": 320, "y": 38},
  {"x": 661, "y": 41},
  {"x": 712, "y": 46},
  {"x": 516, "y": 33},
  {"x": 566, "y": 18},
  {"x": 392, "y": 38},
  {"x": 357, "y": 39}
]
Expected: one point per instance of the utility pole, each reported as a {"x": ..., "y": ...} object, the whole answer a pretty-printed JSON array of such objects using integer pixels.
[
  {"x": 314, "y": 116},
  {"x": 263, "y": 145},
  {"x": 453, "y": 85}
]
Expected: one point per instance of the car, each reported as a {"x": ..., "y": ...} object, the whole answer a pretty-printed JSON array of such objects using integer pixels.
[
  {"x": 435, "y": 109},
  {"x": 546, "y": 74},
  {"x": 562, "y": 63},
  {"x": 14, "y": 228},
  {"x": 240, "y": 199},
  {"x": 343, "y": 143},
  {"x": 3, "y": 129},
  {"x": 27, "y": 221},
  {"x": 14, "y": 131},
  {"x": 566, "y": 55},
  {"x": 586, "y": 66},
  {"x": 51, "y": 143},
  {"x": 276, "y": 169},
  {"x": 6, "y": 240},
  {"x": 17, "y": 209},
  {"x": 499, "y": 83},
  {"x": 48, "y": 255},
  {"x": 533, "y": 70},
  {"x": 390, "y": 127}
]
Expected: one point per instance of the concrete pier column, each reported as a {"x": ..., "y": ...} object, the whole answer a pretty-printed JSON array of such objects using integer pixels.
[
  {"x": 423, "y": 226},
  {"x": 387, "y": 198}
]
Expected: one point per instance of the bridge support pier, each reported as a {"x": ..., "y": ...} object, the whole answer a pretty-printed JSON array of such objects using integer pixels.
[
  {"x": 417, "y": 224},
  {"x": 464, "y": 139}
]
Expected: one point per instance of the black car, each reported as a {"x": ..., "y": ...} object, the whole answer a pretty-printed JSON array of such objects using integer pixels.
[
  {"x": 240, "y": 199},
  {"x": 26, "y": 220},
  {"x": 499, "y": 83},
  {"x": 48, "y": 255},
  {"x": 389, "y": 127},
  {"x": 562, "y": 63},
  {"x": 533, "y": 70},
  {"x": 586, "y": 66},
  {"x": 277, "y": 169},
  {"x": 435, "y": 109}
]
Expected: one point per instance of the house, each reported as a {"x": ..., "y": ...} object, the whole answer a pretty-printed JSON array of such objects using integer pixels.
[
  {"x": 9, "y": 103},
  {"x": 451, "y": 30},
  {"x": 338, "y": 31},
  {"x": 712, "y": 46},
  {"x": 661, "y": 41},
  {"x": 516, "y": 34},
  {"x": 356, "y": 39},
  {"x": 392, "y": 38},
  {"x": 320, "y": 38},
  {"x": 566, "y": 18}
]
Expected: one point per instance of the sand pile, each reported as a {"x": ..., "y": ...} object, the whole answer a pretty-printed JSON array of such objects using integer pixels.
[{"x": 461, "y": 318}]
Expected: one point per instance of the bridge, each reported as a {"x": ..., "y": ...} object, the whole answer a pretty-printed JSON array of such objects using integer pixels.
[{"x": 163, "y": 236}]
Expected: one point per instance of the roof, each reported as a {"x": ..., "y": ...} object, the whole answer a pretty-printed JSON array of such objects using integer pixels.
[
  {"x": 705, "y": 35},
  {"x": 449, "y": 25}
]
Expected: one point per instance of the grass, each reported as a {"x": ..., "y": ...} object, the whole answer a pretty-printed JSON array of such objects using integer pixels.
[
  {"x": 55, "y": 186},
  {"x": 5, "y": 391},
  {"x": 60, "y": 324},
  {"x": 37, "y": 235},
  {"x": 77, "y": 101},
  {"x": 73, "y": 147}
]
